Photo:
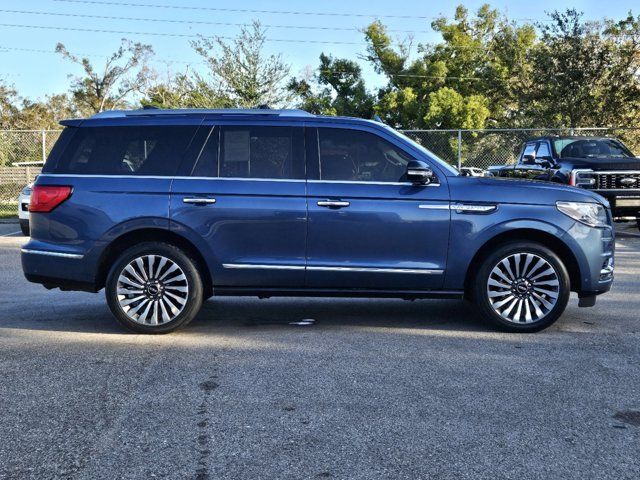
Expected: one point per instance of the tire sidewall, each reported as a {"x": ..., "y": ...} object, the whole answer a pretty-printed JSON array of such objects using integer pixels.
[
  {"x": 188, "y": 266},
  {"x": 480, "y": 286}
]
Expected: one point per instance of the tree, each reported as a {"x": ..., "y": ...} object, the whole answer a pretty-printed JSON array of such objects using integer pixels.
[
  {"x": 8, "y": 105},
  {"x": 342, "y": 90},
  {"x": 106, "y": 88},
  {"x": 184, "y": 90},
  {"x": 588, "y": 72},
  {"x": 469, "y": 79},
  {"x": 242, "y": 71},
  {"x": 45, "y": 114}
]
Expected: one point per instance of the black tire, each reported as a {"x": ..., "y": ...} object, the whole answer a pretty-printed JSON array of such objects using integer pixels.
[
  {"x": 24, "y": 227},
  {"x": 192, "y": 282},
  {"x": 523, "y": 290},
  {"x": 638, "y": 223}
]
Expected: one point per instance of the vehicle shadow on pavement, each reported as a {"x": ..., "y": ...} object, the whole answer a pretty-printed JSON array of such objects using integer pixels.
[{"x": 225, "y": 314}]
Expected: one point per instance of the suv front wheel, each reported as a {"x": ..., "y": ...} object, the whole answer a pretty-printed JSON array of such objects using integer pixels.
[
  {"x": 154, "y": 288},
  {"x": 522, "y": 287}
]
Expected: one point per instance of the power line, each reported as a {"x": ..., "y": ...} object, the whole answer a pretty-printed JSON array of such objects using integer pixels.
[
  {"x": 189, "y": 35},
  {"x": 182, "y": 35},
  {"x": 196, "y": 22},
  {"x": 243, "y": 10},
  {"x": 5, "y": 49}
]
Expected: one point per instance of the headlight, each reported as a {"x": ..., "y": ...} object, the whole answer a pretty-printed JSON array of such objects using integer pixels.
[{"x": 592, "y": 214}]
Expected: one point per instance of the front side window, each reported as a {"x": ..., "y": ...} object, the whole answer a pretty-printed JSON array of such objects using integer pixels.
[
  {"x": 543, "y": 150},
  {"x": 261, "y": 152},
  {"x": 354, "y": 155},
  {"x": 134, "y": 150}
]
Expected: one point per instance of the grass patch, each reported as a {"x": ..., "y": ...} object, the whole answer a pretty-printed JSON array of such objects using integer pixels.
[{"x": 8, "y": 210}]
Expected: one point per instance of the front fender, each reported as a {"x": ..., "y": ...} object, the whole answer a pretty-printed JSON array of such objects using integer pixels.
[{"x": 469, "y": 233}]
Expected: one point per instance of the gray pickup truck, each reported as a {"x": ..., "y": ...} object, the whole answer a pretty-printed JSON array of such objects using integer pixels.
[{"x": 601, "y": 164}]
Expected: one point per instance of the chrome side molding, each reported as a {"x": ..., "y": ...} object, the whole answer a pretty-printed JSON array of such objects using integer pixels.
[{"x": 51, "y": 254}]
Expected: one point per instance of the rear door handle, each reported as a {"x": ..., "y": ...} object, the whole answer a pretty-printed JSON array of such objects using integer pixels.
[
  {"x": 333, "y": 204},
  {"x": 199, "y": 200}
]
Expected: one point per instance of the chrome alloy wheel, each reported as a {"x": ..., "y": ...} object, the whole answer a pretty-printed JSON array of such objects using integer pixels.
[
  {"x": 523, "y": 288},
  {"x": 152, "y": 290}
]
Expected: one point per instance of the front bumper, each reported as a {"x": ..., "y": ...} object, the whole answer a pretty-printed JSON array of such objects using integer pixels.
[
  {"x": 595, "y": 252},
  {"x": 23, "y": 207},
  {"x": 625, "y": 204}
]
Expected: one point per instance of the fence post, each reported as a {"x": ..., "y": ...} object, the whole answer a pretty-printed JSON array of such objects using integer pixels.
[
  {"x": 459, "y": 149},
  {"x": 44, "y": 145},
  {"x": 27, "y": 174}
]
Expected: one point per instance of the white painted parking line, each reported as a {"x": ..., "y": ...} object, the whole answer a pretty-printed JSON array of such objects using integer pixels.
[{"x": 11, "y": 234}]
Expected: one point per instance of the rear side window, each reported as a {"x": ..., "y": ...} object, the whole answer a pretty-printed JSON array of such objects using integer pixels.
[
  {"x": 353, "y": 155},
  {"x": 261, "y": 152},
  {"x": 135, "y": 150}
]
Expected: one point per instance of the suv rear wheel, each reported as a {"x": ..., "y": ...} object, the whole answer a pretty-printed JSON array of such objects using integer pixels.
[
  {"x": 154, "y": 288},
  {"x": 522, "y": 287}
]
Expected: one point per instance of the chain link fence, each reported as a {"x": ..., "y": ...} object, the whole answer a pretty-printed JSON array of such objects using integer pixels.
[
  {"x": 22, "y": 152},
  {"x": 484, "y": 148}
]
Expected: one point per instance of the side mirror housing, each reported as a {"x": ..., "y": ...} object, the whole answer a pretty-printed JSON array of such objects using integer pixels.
[
  {"x": 544, "y": 161},
  {"x": 419, "y": 173},
  {"x": 529, "y": 159}
]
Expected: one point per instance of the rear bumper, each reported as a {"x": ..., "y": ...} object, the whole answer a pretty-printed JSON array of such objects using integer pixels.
[{"x": 54, "y": 268}]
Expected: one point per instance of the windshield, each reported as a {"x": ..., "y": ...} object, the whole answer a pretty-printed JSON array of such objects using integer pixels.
[
  {"x": 590, "y": 148},
  {"x": 426, "y": 151}
]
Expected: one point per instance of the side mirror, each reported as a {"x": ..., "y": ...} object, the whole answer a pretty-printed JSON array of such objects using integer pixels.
[
  {"x": 544, "y": 161},
  {"x": 419, "y": 172},
  {"x": 529, "y": 159}
]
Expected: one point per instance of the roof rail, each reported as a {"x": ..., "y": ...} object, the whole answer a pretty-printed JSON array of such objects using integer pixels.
[{"x": 152, "y": 112}]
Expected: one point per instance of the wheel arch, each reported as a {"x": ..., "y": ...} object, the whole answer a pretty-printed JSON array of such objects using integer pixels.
[
  {"x": 549, "y": 240},
  {"x": 133, "y": 237}
]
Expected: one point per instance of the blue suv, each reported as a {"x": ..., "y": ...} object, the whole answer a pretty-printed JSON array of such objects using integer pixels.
[{"x": 165, "y": 208}]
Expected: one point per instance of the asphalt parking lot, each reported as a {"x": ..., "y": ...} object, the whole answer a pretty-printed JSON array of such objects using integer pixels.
[{"x": 370, "y": 389}]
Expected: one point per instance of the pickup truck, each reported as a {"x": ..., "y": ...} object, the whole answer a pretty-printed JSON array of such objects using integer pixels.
[{"x": 600, "y": 164}]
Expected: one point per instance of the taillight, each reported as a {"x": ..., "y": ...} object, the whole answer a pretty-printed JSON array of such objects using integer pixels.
[{"x": 45, "y": 198}]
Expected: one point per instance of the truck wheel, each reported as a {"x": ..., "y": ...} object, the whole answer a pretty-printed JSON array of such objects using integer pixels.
[
  {"x": 522, "y": 287},
  {"x": 154, "y": 287}
]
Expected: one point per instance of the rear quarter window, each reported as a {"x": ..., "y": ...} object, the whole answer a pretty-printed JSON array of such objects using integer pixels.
[{"x": 134, "y": 150}]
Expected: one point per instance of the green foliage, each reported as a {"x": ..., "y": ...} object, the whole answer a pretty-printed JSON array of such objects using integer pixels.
[
  {"x": 108, "y": 87},
  {"x": 590, "y": 72},
  {"x": 339, "y": 90},
  {"x": 241, "y": 71},
  {"x": 185, "y": 91},
  {"x": 486, "y": 71}
]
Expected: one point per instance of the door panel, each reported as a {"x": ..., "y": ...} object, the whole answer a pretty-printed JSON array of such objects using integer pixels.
[
  {"x": 369, "y": 229},
  {"x": 255, "y": 226}
]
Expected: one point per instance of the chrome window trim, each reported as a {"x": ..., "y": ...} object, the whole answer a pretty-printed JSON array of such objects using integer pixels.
[
  {"x": 357, "y": 182},
  {"x": 52, "y": 254},
  {"x": 167, "y": 177},
  {"x": 290, "y": 180},
  {"x": 425, "y": 271}
]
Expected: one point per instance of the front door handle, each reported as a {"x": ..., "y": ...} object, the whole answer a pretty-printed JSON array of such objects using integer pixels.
[
  {"x": 199, "y": 200},
  {"x": 333, "y": 204}
]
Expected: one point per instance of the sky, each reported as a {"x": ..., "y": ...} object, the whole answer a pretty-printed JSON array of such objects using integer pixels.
[{"x": 300, "y": 31}]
